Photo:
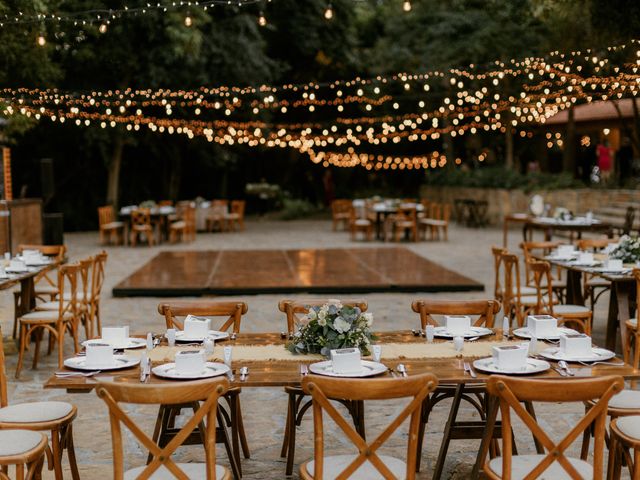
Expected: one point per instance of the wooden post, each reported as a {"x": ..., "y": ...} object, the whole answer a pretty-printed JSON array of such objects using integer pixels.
[{"x": 6, "y": 171}]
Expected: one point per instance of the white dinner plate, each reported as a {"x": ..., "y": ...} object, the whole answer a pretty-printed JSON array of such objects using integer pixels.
[
  {"x": 127, "y": 344},
  {"x": 578, "y": 263},
  {"x": 563, "y": 258},
  {"x": 213, "y": 335},
  {"x": 597, "y": 355},
  {"x": 211, "y": 369},
  {"x": 119, "y": 362},
  {"x": 524, "y": 333},
  {"x": 19, "y": 270},
  {"x": 533, "y": 366},
  {"x": 621, "y": 271},
  {"x": 473, "y": 332},
  {"x": 369, "y": 369}
]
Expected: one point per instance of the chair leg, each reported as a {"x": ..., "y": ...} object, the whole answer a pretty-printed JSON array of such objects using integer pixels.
[
  {"x": 71, "y": 452},
  {"x": 291, "y": 443},
  {"x": 23, "y": 334},
  {"x": 56, "y": 451},
  {"x": 36, "y": 350},
  {"x": 446, "y": 434}
]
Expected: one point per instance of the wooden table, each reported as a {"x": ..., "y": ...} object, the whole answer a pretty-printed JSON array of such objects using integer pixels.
[
  {"x": 159, "y": 218},
  {"x": 621, "y": 298},
  {"x": 548, "y": 226},
  {"x": 27, "y": 299},
  {"x": 287, "y": 373}
]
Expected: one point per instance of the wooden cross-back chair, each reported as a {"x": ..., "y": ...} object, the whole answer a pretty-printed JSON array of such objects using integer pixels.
[
  {"x": 404, "y": 221},
  {"x": 141, "y": 225},
  {"x": 554, "y": 463},
  {"x": 296, "y": 409},
  {"x": 484, "y": 311},
  {"x": 594, "y": 285},
  {"x": 110, "y": 227},
  {"x": 360, "y": 224},
  {"x": 497, "y": 253},
  {"x": 53, "y": 417},
  {"x": 97, "y": 281},
  {"x": 236, "y": 215},
  {"x": 185, "y": 227},
  {"x": 542, "y": 248},
  {"x": 165, "y": 429},
  {"x": 22, "y": 448},
  {"x": 204, "y": 308},
  {"x": 56, "y": 322},
  {"x": 340, "y": 213},
  {"x": 207, "y": 392},
  {"x": 573, "y": 315},
  {"x": 45, "y": 285},
  {"x": 516, "y": 298},
  {"x": 367, "y": 462}
]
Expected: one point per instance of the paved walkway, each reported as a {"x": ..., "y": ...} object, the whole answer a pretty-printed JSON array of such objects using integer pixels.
[{"x": 468, "y": 252}]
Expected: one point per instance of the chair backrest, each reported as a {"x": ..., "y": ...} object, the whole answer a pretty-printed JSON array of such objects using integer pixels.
[
  {"x": 511, "y": 285},
  {"x": 97, "y": 274},
  {"x": 233, "y": 312},
  {"x": 511, "y": 392},
  {"x": 85, "y": 272},
  {"x": 208, "y": 392},
  {"x": 106, "y": 215},
  {"x": 56, "y": 252},
  {"x": 141, "y": 216},
  {"x": 594, "y": 244},
  {"x": 408, "y": 213},
  {"x": 68, "y": 283},
  {"x": 497, "y": 253},
  {"x": 293, "y": 308},
  {"x": 322, "y": 389},
  {"x": 340, "y": 206},
  {"x": 434, "y": 211},
  {"x": 446, "y": 212},
  {"x": 485, "y": 310},
  {"x": 529, "y": 248},
  {"x": 543, "y": 284},
  {"x": 237, "y": 206}
]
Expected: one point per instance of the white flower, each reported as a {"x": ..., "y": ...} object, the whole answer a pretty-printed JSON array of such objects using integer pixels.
[
  {"x": 322, "y": 320},
  {"x": 341, "y": 325},
  {"x": 312, "y": 315},
  {"x": 369, "y": 318}
]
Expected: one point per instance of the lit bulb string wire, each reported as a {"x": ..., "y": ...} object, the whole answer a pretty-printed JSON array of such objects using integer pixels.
[{"x": 98, "y": 15}]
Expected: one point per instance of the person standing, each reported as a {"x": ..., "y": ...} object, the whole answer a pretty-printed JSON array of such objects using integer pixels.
[{"x": 605, "y": 160}]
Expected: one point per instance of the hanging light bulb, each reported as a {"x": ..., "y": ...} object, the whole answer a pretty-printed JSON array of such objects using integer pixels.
[
  {"x": 103, "y": 27},
  {"x": 406, "y": 6},
  {"x": 262, "y": 20},
  {"x": 188, "y": 21},
  {"x": 41, "y": 40},
  {"x": 328, "y": 13}
]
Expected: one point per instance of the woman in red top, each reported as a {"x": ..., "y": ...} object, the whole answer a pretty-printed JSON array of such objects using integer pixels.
[{"x": 605, "y": 160}]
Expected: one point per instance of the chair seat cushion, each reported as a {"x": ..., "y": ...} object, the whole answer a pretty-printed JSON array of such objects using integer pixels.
[
  {"x": 362, "y": 222},
  {"x": 567, "y": 309},
  {"x": 630, "y": 426},
  {"x": 192, "y": 470},
  {"x": 178, "y": 225},
  {"x": 522, "y": 464},
  {"x": 34, "y": 412},
  {"x": 524, "y": 290},
  {"x": 44, "y": 316},
  {"x": 433, "y": 222},
  {"x": 626, "y": 399},
  {"x": 18, "y": 442},
  {"x": 335, "y": 464},
  {"x": 232, "y": 216},
  {"x": 112, "y": 225},
  {"x": 142, "y": 228},
  {"x": 598, "y": 282}
]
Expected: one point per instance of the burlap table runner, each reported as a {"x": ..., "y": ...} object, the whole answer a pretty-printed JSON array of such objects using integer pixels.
[{"x": 390, "y": 351}]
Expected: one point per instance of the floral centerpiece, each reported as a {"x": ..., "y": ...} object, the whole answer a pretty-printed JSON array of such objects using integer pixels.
[
  {"x": 628, "y": 249},
  {"x": 332, "y": 326}
]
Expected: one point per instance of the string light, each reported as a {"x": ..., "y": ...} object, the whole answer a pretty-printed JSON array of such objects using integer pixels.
[
  {"x": 262, "y": 20},
  {"x": 103, "y": 27},
  {"x": 406, "y": 6},
  {"x": 328, "y": 13},
  {"x": 41, "y": 41},
  {"x": 188, "y": 21}
]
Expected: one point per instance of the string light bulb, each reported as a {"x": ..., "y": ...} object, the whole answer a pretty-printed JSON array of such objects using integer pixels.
[
  {"x": 188, "y": 21},
  {"x": 262, "y": 20},
  {"x": 103, "y": 27},
  {"x": 328, "y": 13},
  {"x": 41, "y": 40},
  {"x": 406, "y": 6}
]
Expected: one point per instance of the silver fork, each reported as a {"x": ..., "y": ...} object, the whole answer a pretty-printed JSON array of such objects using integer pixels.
[
  {"x": 588, "y": 364},
  {"x": 77, "y": 374},
  {"x": 304, "y": 369}
]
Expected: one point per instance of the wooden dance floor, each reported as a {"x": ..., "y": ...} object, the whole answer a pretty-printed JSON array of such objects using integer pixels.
[{"x": 340, "y": 270}]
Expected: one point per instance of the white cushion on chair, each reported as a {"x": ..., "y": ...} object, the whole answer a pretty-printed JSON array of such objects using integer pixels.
[
  {"x": 626, "y": 399},
  {"x": 521, "y": 465},
  {"x": 34, "y": 412},
  {"x": 193, "y": 471},
  {"x": 17, "y": 442},
  {"x": 362, "y": 222},
  {"x": 630, "y": 426},
  {"x": 335, "y": 464},
  {"x": 567, "y": 309},
  {"x": 45, "y": 316},
  {"x": 111, "y": 225}
]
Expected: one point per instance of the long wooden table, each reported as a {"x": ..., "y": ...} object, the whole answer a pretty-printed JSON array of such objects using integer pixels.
[
  {"x": 270, "y": 373},
  {"x": 622, "y": 296}
]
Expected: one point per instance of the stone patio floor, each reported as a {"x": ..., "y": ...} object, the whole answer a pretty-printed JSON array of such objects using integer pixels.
[{"x": 467, "y": 252}]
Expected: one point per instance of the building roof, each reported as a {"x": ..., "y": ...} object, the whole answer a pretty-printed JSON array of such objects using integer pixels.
[{"x": 596, "y": 111}]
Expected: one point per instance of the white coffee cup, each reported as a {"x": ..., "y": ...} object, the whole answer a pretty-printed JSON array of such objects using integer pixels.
[
  {"x": 171, "y": 336},
  {"x": 614, "y": 264}
]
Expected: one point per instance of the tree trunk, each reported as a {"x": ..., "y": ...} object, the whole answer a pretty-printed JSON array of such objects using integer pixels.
[
  {"x": 569, "y": 155},
  {"x": 175, "y": 175},
  {"x": 508, "y": 141},
  {"x": 113, "y": 179}
]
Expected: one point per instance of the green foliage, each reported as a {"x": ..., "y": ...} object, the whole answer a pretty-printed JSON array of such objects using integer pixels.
[
  {"x": 498, "y": 177},
  {"x": 296, "y": 208}
]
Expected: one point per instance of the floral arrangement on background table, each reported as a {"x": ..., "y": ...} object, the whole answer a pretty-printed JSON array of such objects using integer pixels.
[
  {"x": 332, "y": 326},
  {"x": 628, "y": 249}
]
